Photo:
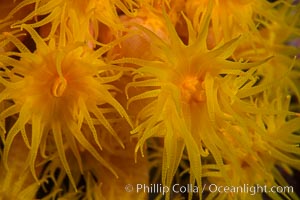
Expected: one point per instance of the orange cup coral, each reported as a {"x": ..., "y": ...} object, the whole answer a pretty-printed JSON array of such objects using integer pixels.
[{"x": 98, "y": 96}]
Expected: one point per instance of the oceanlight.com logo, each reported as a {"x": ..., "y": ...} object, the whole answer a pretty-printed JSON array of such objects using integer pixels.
[{"x": 212, "y": 188}]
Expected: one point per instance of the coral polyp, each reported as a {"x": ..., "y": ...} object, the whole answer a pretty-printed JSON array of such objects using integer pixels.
[
  {"x": 59, "y": 90},
  {"x": 186, "y": 109}
]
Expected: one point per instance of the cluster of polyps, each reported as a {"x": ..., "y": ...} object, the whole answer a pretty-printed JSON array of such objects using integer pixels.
[{"x": 199, "y": 87}]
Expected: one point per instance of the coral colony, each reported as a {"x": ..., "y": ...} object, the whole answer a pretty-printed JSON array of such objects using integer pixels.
[{"x": 144, "y": 99}]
